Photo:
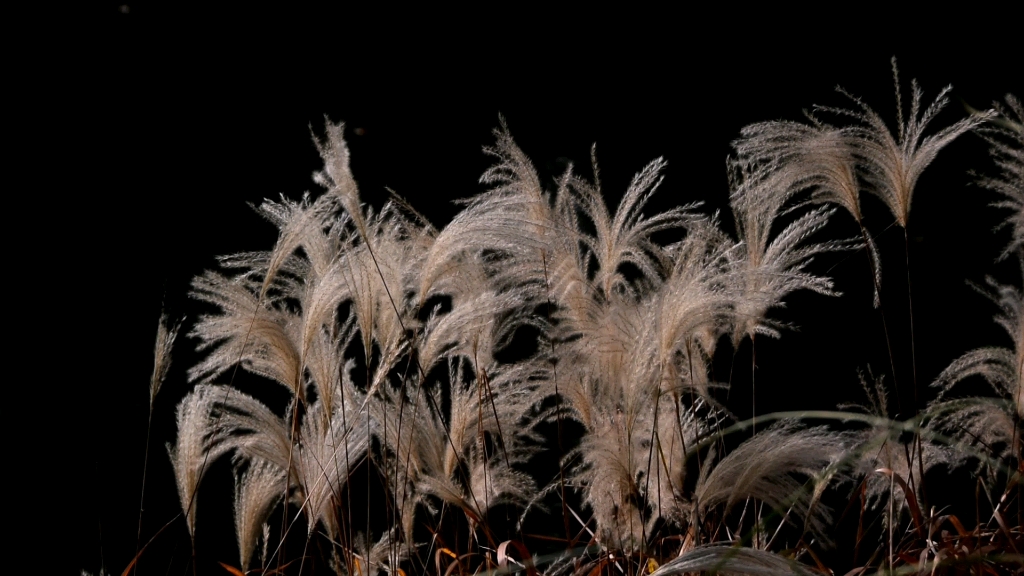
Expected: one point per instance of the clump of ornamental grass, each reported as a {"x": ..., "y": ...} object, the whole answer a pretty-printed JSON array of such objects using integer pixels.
[{"x": 395, "y": 342}]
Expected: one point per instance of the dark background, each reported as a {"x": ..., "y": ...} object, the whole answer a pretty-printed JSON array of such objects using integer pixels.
[{"x": 171, "y": 120}]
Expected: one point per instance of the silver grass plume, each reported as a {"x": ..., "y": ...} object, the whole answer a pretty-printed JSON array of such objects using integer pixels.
[
  {"x": 1005, "y": 134},
  {"x": 327, "y": 448},
  {"x": 346, "y": 271},
  {"x": 446, "y": 457},
  {"x": 678, "y": 437},
  {"x": 625, "y": 236},
  {"x": 301, "y": 225},
  {"x": 387, "y": 275},
  {"x": 819, "y": 158},
  {"x": 542, "y": 250},
  {"x": 264, "y": 337},
  {"x": 336, "y": 176},
  {"x": 513, "y": 219},
  {"x": 596, "y": 308},
  {"x": 988, "y": 422},
  {"x": 322, "y": 456},
  {"x": 316, "y": 226},
  {"x": 692, "y": 309},
  {"x": 257, "y": 491},
  {"x": 328, "y": 369},
  {"x": 878, "y": 448},
  {"x": 892, "y": 163},
  {"x": 192, "y": 452},
  {"x": 162, "y": 356},
  {"x": 241, "y": 422},
  {"x": 475, "y": 329},
  {"x": 638, "y": 366},
  {"x": 768, "y": 269}
]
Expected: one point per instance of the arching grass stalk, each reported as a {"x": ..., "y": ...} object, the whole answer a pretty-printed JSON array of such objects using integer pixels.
[
  {"x": 165, "y": 338},
  {"x": 895, "y": 428},
  {"x": 913, "y": 367}
]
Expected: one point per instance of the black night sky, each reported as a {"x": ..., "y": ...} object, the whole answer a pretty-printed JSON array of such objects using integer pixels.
[{"x": 182, "y": 117}]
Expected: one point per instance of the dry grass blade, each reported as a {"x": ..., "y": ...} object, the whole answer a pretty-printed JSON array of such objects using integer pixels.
[
  {"x": 231, "y": 569},
  {"x": 729, "y": 560},
  {"x": 524, "y": 554},
  {"x": 910, "y": 499}
]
